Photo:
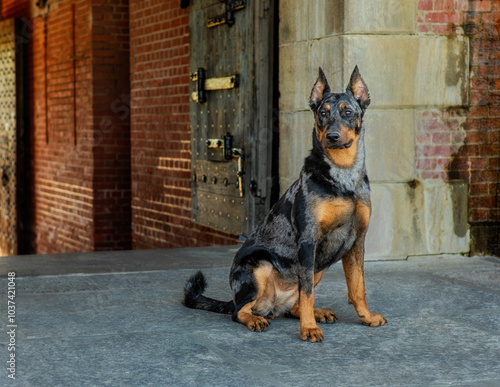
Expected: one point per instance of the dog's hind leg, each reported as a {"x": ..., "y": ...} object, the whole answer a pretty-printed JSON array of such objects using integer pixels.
[{"x": 249, "y": 285}]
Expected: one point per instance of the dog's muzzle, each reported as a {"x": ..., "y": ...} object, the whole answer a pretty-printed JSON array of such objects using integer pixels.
[{"x": 335, "y": 141}]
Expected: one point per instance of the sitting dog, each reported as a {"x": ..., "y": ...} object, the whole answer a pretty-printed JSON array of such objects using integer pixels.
[{"x": 321, "y": 219}]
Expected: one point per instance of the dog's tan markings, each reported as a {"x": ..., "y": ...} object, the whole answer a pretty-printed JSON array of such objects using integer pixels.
[
  {"x": 342, "y": 106},
  {"x": 304, "y": 310},
  {"x": 317, "y": 277},
  {"x": 324, "y": 316},
  {"x": 263, "y": 277},
  {"x": 245, "y": 315},
  {"x": 252, "y": 322},
  {"x": 359, "y": 88},
  {"x": 362, "y": 216},
  {"x": 275, "y": 294},
  {"x": 328, "y": 107},
  {"x": 319, "y": 88},
  {"x": 353, "y": 270},
  {"x": 318, "y": 131},
  {"x": 308, "y": 328},
  {"x": 320, "y": 315},
  {"x": 345, "y": 157},
  {"x": 329, "y": 213}
]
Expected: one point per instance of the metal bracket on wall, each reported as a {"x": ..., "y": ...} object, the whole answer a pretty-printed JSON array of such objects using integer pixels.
[
  {"x": 227, "y": 17},
  {"x": 203, "y": 84}
]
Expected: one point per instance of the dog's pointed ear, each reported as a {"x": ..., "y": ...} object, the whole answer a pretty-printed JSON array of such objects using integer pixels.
[
  {"x": 359, "y": 89},
  {"x": 320, "y": 88}
]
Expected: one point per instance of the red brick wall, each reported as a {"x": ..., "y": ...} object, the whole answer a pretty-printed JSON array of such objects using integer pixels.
[
  {"x": 465, "y": 143},
  {"x": 80, "y": 134},
  {"x": 482, "y": 144},
  {"x": 161, "y": 151},
  {"x": 62, "y": 163},
  {"x": 438, "y": 134},
  {"x": 439, "y": 17},
  {"x": 111, "y": 110}
]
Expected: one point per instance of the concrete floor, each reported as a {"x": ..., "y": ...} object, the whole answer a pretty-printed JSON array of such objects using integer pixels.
[{"x": 115, "y": 318}]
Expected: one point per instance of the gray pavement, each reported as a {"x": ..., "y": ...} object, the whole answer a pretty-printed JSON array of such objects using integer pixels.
[{"x": 115, "y": 318}]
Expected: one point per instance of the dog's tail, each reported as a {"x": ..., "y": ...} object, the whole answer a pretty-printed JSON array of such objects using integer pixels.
[{"x": 194, "y": 298}]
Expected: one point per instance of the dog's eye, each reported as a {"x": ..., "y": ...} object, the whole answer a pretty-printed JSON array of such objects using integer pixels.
[
  {"x": 322, "y": 113},
  {"x": 347, "y": 112}
]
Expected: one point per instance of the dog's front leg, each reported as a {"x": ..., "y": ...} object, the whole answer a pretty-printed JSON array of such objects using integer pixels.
[
  {"x": 308, "y": 328},
  {"x": 353, "y": 270}
]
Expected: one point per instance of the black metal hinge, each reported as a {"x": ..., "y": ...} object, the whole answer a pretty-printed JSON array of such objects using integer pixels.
[{"x": 227, "y": 17}]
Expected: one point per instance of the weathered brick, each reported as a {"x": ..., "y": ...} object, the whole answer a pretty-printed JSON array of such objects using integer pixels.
[
  {"x": 442, "y": 17},
  {"x": 480, "y": 5},
  {"x": 442, "y": 29},
  {"x": 425, "y": 5},
  {"x": 444, "y": 5}
]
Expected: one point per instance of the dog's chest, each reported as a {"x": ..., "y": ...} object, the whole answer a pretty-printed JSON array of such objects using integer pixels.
[
  {"x": 341, "y": 221},
  {"x": 330, "y": 214}
]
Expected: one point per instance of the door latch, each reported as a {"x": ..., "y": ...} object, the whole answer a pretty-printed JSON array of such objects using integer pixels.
[
  {"x": 239, "y": 153},
  {"x": 204, "y": 84},
  {"x": 220, "y": 149},
  {"x": 228, "y": 16},
  {"x": 226, "y": 144}
]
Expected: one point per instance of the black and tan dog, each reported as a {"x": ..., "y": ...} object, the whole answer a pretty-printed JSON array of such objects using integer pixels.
[{"x": 321, "y": 219}]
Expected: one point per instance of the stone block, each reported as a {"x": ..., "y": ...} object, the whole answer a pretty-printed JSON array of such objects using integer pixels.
[
  {"x": 306, "y": 20},
  {"x": 293, "y": 24},
  {"x": 391, "y": 233},
  {"x": 379, "y": 16},
  {"x": 443, "y": 76},
  {"x": 325, "y": 17},
  {"x": 296, "y": 134},
  {"x": 410, "y": 70},
  {"x": 415, "y": 218},
  {"x": 327, "y": 53},
  {"x": 295, "y": 77},
  {"x": 445, "y": 216},
  {"x": 390, "y": 144}
]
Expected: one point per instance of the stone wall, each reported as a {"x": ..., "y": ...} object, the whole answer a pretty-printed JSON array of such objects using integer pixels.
[{"x": 413, "y": 76}]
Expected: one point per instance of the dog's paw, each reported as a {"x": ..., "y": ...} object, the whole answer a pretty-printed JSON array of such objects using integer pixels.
[
  {"x": 314, "y": 335},
  {"x": 325, "y": 316},
  {"x": 373, "y": 320},
  {"x": 257, "y": 324}
]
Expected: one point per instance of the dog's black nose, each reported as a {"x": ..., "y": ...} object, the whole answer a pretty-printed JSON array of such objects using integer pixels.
[{"x": 333, "y": 136}]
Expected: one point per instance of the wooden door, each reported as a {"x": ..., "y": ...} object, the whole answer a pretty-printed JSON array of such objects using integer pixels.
[{"x": 231, "y": 59}]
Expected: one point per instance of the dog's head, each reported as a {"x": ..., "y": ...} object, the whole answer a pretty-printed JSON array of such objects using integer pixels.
[{"x": 338, "y": 117}]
